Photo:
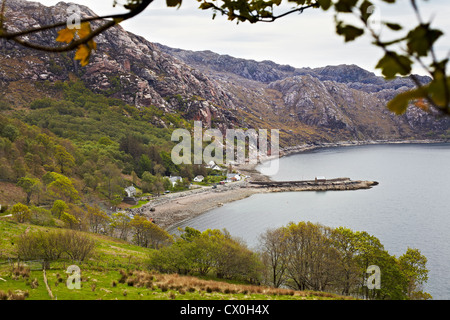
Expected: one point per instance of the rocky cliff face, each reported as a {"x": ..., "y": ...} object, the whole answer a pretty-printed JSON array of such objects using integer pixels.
[
  {"x": 326, "y": 104},
  {"x": 332, "y": 103},
  {"x": 125, "y": 66}
]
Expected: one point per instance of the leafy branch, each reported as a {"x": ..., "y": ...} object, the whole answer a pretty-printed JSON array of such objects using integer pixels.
[
  {"x": 253, "y": 11},
  {"x": 417, "y": 44},
  {"x": 85, "y": 43}
]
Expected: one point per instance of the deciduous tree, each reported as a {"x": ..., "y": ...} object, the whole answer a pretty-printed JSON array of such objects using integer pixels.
[
  {"x": 29, "y": 185},
  {"x": 59, "y": 207},
  {"x": 98, "y": 219},
  {"x": 413, "y": 266},
  {"x": 20, "y": 212},
  {"x": 273, "y": 254}
]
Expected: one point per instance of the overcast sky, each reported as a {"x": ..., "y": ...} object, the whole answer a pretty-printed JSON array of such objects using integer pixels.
[{"x": 306, "y": 40}]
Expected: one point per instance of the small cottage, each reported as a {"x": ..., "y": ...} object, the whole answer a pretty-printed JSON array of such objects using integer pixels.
[
  {"x": 212, "y": 165},
  {"x": 131, "y": 191},
  {"x": 175, "y": 179},
  {"x": 199, "y": 178}
]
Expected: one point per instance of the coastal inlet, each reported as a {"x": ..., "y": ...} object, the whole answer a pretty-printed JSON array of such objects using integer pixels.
[{"x": 170, "y": 210}]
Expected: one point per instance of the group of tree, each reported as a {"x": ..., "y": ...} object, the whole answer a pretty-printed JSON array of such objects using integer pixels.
[
  {"x": 49, "y": 246},
  {"x": 308, "y": 256},
  {"x": 48, "y": 167},
  {"x": 302, "y": 256},
  {"x": 137, "y": 229},
  {"x": 93, "y": 145},
  {"x": 205, "y": 253}
]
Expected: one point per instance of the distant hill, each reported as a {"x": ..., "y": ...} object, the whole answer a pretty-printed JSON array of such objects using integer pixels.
[
  {"x": 328, "y": 104},
  {"x": 269, "y": 71}
]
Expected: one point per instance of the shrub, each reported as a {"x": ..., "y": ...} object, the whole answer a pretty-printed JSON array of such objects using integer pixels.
[
  {"x": 164, "y": 287},
  {"x": 130, "y": 282},
  {"x": 20, "y": 212},
  {"x": 41, "y": 217},
  {"x": 21, "y": 271},
  {"x": 53, "y": 245},
  {"x": 18, "y": 295}
]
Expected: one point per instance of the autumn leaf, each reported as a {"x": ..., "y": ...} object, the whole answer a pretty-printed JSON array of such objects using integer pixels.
[
  {"x": 400, "y": 103},
  {"x": 66, "y": 35},
  {"x": 422, "y": 105},
  {"x": 84, "y": 31},
  {"x": 83, "y": 53}
]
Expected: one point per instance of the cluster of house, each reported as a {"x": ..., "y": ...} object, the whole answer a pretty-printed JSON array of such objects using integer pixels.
[{"x": 230, "y": 177}]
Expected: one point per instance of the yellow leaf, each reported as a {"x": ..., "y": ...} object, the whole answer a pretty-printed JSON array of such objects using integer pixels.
[
  {"x": 83, "y": 53},
  {"x": 84, "y": 31},
  {"x": 66, "y": 35}
]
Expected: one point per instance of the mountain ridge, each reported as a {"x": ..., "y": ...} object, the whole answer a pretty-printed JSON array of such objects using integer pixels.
[
  {"x": 328, "y": 104},
  {"x": 343, "y": 73}
]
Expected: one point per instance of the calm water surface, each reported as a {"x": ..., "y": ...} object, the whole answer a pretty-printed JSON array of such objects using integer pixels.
[{"x": 409, "y": 208}]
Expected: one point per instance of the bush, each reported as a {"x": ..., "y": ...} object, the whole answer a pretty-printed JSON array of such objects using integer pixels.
[
  {"x": 41, "y": 217},
  {"x": 53, "y": 245},
  {"x": 20, "y": 212},
  {"x": 41, "y": 103},
  {"x": 21, "y": 271},
  {"x": 18, "y": 295},
  {"x": 208, "y": 251}
]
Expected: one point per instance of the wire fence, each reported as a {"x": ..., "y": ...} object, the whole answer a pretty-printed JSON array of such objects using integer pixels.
[{"x": 33, "y": 265}]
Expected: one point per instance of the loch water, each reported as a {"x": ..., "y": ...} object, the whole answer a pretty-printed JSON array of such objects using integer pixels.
[{"x": 409, "y": 208}]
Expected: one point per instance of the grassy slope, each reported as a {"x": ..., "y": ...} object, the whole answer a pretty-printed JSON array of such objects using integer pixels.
[{"x": 115, "y": 260}]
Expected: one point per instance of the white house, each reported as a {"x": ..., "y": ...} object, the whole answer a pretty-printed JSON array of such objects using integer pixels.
[
  {"x": 131, "y": 191},
  {"x": 199, "y": 178},
  {"x": 175, "y": 179},
  {"x": 210, "y": 164},
  {"x": 213, "y": 165}
]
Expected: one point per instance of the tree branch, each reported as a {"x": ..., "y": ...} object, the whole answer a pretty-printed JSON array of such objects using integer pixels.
[
  {"x": 258, "y": 17},
  {"x": 442, "y": 110},
  {"x": 117, "y": 18}
]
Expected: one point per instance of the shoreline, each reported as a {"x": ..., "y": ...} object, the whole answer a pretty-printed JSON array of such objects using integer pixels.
[
  {"x": 171, "y": 213},
  {"x": 172, "y": 210},
  {"x": 310, "y": 147}
]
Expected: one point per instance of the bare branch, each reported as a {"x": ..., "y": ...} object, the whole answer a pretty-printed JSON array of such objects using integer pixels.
[{"x": 73, "y": 45}]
